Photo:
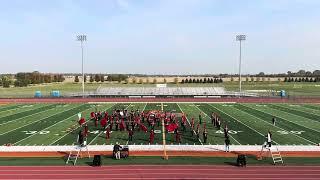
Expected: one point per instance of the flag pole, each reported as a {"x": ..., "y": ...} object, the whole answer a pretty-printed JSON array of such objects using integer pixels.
[{"x": 165, "y": 156}]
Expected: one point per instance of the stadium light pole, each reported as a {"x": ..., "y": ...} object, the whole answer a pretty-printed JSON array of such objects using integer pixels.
[
  {"x": 82, "y": 38},
  {"x": 240, "y": 38}
]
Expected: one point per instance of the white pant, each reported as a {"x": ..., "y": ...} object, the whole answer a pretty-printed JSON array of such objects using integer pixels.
[
  {"x": 227, "y": 148},
  {"x": 118, "y": 155}
]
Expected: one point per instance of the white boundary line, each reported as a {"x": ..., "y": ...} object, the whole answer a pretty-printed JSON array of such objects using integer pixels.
[
  {"x": 219, "y": 129},
  {"x": 242, "y": 122},
  {"x": 35, "y": 121},
  {"x": 72, "y": 130},
  {"x": 189, "y": 124},
  {"x": 14, "y": 120},
  {"x": 283, "y": 118},
  {"x": 276, "y": 126},
  {"x": 51, "y": 126},
  {"x": 103, "y": 131}
]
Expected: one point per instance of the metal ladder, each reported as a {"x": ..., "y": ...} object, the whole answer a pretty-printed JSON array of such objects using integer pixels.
[
  {"x": 74, "y": 157},
  {"x": 276, "y": 155}
]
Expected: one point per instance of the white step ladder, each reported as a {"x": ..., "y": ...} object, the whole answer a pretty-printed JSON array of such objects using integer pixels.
[
  {"x": 74, "y": 156},
  {"x": 274, "y": 153}
]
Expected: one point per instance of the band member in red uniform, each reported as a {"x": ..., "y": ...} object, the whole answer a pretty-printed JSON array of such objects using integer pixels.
[
  {"x": 82, "y": 121},
  {"x": 198, "y": 130},
  {"x": 192, "y": 123},
  {"x": 92, "y": 116},
  {"x": 86, "y": 130},
  {"x": 108, "y": 133},
  {"x": 151, "y": 138},
  {"x": 103, "y": 123},
  {"x": 122, "y": 125},
  {"x": 130, "y": 133},
  {"x": 178, "y": 137}
]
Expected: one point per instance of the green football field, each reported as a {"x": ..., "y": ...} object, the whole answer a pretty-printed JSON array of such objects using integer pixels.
[{"x": 49, "y": 124}]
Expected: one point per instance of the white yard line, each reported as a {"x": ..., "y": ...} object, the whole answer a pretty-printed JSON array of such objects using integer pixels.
[
  {"x": 70, "y": 132},
  {"x": 103, "y": 131},
  {"x": 296, "y": 110},
  {"x": 282, "y": 118},
  {"x": 277, "y": 126},
  {"x": 229, "y": 134},
  {"x": 36, "y": 121},
  {"x": 50, "y": 126},
  {"x": 26, "y": 116},
  {"x": 189, "y": 123},
  {"x": 242, "y": 123}
]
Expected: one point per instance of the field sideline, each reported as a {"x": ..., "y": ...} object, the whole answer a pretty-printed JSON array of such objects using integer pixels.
[{"x": 49, "y": 124}]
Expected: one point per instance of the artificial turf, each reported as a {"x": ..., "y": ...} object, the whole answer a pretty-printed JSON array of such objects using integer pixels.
[{"x": 49, "y": 124}]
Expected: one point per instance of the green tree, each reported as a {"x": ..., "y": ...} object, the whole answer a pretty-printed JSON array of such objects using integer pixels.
[
  {"x": 97, "y": 78},
  {"x": 76, "y": 79},
  {"x": 6, "y": 81},
  {"x": 91, "y": 78},
  {"x": 102, "y": 78}
]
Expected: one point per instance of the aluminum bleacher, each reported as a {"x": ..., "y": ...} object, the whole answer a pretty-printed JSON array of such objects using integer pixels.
[{"x": 162, "y": 92}]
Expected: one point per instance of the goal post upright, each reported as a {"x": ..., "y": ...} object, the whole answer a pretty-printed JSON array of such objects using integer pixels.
[{"x": 165, "y": 156}]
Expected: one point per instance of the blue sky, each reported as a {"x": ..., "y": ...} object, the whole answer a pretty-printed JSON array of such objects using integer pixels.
[{"x": 159, "y": 36}]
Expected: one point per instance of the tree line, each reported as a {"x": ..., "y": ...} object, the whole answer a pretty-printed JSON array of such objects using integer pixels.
[
  {"x": 204, "y": 80},
  {"x": 23, "y": 79},
  {"x": 307, "y": 79},
  {"x": 101, "y": 78}
]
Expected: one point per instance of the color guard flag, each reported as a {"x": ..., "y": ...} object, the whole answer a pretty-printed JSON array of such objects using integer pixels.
[{"x": 79, "y": 115}]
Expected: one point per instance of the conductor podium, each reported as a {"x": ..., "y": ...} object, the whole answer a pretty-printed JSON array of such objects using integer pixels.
[{"x": 124, "y": 152}]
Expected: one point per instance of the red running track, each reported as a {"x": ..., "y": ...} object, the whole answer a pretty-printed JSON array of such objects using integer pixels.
[{"x": 165, "y": 172}]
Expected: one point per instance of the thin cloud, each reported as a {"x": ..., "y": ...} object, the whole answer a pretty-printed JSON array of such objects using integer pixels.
[{"x": 123, "y": 4}]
